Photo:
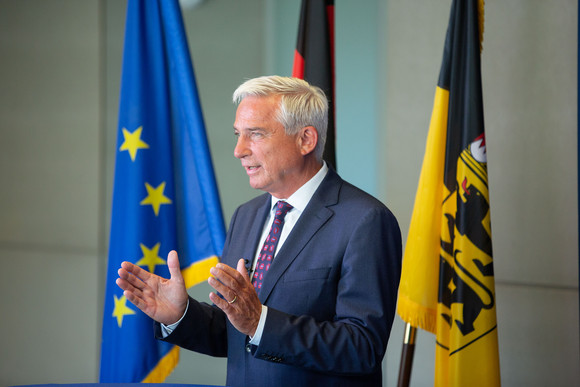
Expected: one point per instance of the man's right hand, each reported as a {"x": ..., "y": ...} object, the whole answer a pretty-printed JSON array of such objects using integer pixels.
[{"x": 164, "y": 300}]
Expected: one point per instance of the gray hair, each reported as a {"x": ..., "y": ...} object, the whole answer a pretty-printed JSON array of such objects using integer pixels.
[{"x": 301, "y": 104}]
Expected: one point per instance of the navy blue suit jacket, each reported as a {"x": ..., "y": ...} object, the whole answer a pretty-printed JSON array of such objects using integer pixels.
[{"x": 331, "y": 293}]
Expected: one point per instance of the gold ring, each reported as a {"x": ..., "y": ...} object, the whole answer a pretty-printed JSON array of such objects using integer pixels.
[{"x": 234, "y": 300}]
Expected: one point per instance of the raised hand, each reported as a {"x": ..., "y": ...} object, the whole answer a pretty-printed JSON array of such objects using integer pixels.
[
  {"x": 241, "y": 304},
  {"x": 164, "y": 300}
]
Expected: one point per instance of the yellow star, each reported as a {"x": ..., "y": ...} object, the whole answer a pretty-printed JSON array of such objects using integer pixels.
[
  {"x": 133, "y": 142},
  {"x": 150, "y": 257},
  {"x": 155, "y": 197},
  {"x": 121, "y": 309}
]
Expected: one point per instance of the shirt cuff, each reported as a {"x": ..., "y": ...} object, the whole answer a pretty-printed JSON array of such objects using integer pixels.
[
  {"x": 166, "y": 330},
  {"x": 260, "y": 329}
]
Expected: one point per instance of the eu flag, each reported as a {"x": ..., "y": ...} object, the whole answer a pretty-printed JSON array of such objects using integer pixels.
[{"x": 165, "y": 194}]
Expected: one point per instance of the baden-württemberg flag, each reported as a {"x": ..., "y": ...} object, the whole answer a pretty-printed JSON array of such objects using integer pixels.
[
  {"x": 447, "y": 285},
  {"x": 165, "y": 195}
]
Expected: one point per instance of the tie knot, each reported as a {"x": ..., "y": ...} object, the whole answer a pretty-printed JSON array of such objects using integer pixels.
[{"x": 282, "y": 208}]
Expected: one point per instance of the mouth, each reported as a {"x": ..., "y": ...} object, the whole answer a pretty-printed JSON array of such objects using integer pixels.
[{"x": 251, "y": 169}]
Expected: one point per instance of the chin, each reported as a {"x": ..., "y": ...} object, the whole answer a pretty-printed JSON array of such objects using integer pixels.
[{"x": 256, "y": 185}]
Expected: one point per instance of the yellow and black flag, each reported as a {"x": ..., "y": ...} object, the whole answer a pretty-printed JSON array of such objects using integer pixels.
[{"x": 447, "y": 285}]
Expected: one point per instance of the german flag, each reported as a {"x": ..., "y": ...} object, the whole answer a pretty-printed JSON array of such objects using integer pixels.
[
  {"x": 314, "y": 59},
  {"x": 447, "y": 285}
]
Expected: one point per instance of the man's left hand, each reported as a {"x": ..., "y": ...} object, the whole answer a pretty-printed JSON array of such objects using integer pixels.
[{"x": 241, "y": 303}]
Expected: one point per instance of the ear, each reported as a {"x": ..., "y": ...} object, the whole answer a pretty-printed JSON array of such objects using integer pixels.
[{"x": 307, "y": 139}]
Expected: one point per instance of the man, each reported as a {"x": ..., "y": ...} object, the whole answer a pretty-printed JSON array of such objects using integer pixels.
[{"x": 319, "y": 303}]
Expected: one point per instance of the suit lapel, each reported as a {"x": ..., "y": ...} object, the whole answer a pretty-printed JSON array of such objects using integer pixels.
[{"x": 315, "y": 215}]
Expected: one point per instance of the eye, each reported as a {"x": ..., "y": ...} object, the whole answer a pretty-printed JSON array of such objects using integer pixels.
[{"x": 257, "y": 134}]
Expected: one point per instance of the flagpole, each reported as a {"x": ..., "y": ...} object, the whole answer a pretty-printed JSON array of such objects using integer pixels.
[{"x": 407, "y": 356}]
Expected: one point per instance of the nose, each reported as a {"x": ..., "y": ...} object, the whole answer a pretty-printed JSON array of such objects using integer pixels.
[{"x": 241, "y": 149}]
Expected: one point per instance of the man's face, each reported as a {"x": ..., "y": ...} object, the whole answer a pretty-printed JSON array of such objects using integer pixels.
[{"x": 272, "y": 159}]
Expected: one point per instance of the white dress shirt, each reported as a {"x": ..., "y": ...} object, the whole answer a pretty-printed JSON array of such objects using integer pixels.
[{"x": 298, "y": 200}]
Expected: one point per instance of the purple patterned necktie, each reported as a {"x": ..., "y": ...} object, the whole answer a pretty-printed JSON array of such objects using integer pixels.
[{"x": 269, "y": 247}]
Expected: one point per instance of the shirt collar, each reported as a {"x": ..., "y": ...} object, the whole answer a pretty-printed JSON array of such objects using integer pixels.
[{"x": 299, "y": 199}]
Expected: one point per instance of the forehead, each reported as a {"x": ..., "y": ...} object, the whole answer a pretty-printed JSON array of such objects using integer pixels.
[{"x": 254, "y": 112}]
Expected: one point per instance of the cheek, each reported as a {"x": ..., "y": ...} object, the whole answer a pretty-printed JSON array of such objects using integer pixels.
[
  {"x": 267, "y": 156},
  {"x": 276, "y": 158}
]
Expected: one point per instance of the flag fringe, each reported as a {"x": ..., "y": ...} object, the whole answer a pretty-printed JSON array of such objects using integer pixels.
[
  {"x": 417, "y": 315},
  {"x": 198, "y": 271},
  {"x": 164, "y": 367}
]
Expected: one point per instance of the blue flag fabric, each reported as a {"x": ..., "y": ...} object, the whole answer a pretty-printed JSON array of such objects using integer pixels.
[{"x": 165, "y": 194}]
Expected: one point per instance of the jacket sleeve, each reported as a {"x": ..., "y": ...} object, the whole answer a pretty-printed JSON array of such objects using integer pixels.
[{"x": 204, "y": 327}]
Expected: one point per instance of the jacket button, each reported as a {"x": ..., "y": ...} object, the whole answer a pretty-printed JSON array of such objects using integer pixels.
[{"x": 248, "y": 348}]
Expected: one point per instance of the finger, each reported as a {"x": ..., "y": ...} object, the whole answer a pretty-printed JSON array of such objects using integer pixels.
[
  {"x": 222, "y": 289},
  {"x": 136, "y": 271},
  {"x": 219, "y": 273},
  {"x": 173, "y": 265},
  {"x": 242, "y": 269},
  {"x": 124, "y": 285},
  {"x": 230, "y": 276},
  {"x": 226, "y": 286},
  {"x": 131, "y": 291},
  {"x": 225, "y": 302},
  {"x": 219, "y": 302},
  {"x": 131, "y": 279},
  {"x": 136, "y": 300}
]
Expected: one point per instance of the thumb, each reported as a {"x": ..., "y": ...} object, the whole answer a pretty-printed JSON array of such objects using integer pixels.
[
  {"x": 242, "y": 267},
  {"x": 173, "y": 265}
]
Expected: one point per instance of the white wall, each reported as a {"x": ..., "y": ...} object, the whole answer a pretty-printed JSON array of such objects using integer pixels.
[{"x": 50, "y": 121}]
